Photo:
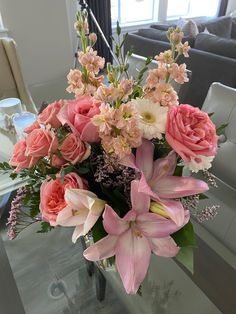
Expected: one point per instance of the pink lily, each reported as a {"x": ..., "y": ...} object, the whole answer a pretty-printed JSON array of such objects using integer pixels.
[
  {"x": 158, "y": 182},
  {"x": 132, "y": 239},
  {"x": 83, "y": 210}
]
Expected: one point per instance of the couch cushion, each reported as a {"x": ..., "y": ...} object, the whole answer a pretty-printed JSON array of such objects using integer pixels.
[
  {"x": 163, "y": 27},
  {"x": 157, "y": 34},
  {"x": 233, "y": 30},
  {"x": 215, "y": 44},
  {"x": 221, "y": 26}
]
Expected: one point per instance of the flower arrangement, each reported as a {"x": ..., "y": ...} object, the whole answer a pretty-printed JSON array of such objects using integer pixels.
[{"x": 110, "y": 162}]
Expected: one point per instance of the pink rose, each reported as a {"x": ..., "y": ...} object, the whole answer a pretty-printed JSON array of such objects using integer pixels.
[
  {"x": 190, "y": 132},
  {"x": 19, "y": 158},
  {"x": 73, "y": 149},
  {"x": 78, "y": 113},
  {"x": 41, "y": 143},
  {"x": 49, "y": 114},
  {"x": 52, "y": 195},
  {"x": 57, "y": 161},
  {"x": 32, "y": 127}
]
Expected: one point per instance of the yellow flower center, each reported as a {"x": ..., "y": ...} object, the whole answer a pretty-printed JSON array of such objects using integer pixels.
[
  {"x": 159, "y": 209},
  {"x": 148, "y": 117}
]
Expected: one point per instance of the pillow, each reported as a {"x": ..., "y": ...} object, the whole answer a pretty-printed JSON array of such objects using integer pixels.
[
  {"x": 233, "y": 30},
  {"x": 215, "y": 44},
  {"x": 189, "y": 27},
  {"x": 157, "y": 34},
  {"x": 221, "y": 26},
  {"x": 163, "y": 27}
]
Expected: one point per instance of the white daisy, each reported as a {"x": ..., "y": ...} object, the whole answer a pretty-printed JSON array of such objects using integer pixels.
[
  {"x": 152, "y": 118},
  {"x": 199, "y": 162}
]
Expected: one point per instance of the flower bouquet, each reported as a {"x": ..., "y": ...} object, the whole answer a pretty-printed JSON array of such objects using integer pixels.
[{"x": 110, "y": 162}]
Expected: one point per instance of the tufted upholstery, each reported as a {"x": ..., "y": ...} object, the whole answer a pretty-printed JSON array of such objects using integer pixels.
[
  {"x": 11, "y": 80},
  {"x": 221, "y": 100}
]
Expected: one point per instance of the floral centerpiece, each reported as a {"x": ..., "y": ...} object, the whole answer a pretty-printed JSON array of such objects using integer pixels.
[{"x": 110, "y": 162}]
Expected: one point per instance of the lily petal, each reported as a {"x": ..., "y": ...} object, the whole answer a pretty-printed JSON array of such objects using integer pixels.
[
  {"x": 132, "y": 260},
  {"x": 112, "y": 223},
  {"x": 164, "y": 167},
  {"x": 175, "y": 211},
  {"x": 144, "y": 158},
  {"x": 164, "y": 247},
  {"x": 129, "y": 161},
  {"x": 175, "y": 187},
  {"x": 77, "y": 198},
  {"x": 104, "y": 248},
  {"x": 139, "y": 200},
  {"x": 69, "y": 217},
  {"x": 155, "y": 226},
  {"x": 78, "y": 232}
]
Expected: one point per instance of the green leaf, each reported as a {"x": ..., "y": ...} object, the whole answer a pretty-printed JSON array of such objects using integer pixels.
[
  {"x": 178, "y": 171},
  {"x": 13, "y": 175},
  {"x": 185, "y": 257},
  {"x": 203, "y": 196},
  {"x": 65, "y": 171},
  {"x": 34, "y": 211},
  {"x": 221, "y": 128},
  {"x": 210, "y": 114},
  {"x": 185, "y": 236},
  {"x": 118, "y": 28},
  {"x": 45, "y": 227},
  {"x": 98, "y": 231}
]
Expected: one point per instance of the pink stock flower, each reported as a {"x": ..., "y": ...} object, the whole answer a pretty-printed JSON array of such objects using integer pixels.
[
  {"x": 191, "y": 133},
  {"x": 158, "y": 181},
  {"x": 178, "y": 73},
  {"x": 107, "y": 93},
  {"x": 73, "y": 149},
  {"x": 19, "y": 158},
  {"x": 156, "y": 75},
  {"x": 49, "y": 114},
  {"x": 91, "y": 61},
  {"x": 176, "y": 37},
  {"x": 118, "y": 128},
  {"x": 165, "y": 57},
  {"x": 132, "y": 239},
  {"x": 78, "y": 114},
  {"x": 41, "y": 143},
  {"x": 183, "y": 48},
  {"x": 125, "y": 89},
  {"x": 33, "y": 126},
  {"x": 83, "y": 210},
  {"x": 75, "y": 83},
  {"x": 164, "y": 94},
  {"x": 52, "y": 193},
  {"x": 93, "y": 38}
]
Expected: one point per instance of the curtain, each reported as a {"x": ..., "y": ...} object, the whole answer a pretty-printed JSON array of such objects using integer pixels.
[
  {"x": 102, "y": 12},
  {"x": 223, "y": 7}
]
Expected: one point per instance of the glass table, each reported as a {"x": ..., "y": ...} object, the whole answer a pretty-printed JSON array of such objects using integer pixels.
[{"x": 46, "y": 274}]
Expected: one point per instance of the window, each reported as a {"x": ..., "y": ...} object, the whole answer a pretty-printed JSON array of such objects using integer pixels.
[
  {"x": 190, "y": 8},
  {"x": 130, "y": 12}
]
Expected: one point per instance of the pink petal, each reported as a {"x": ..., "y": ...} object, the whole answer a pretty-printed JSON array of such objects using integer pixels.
[
  {"x": 175, "y": 210},
  {"x": 78, "y": 232},
  {"x": 132, "y": 260},
  {"x": 90, "y": 133},
  {"x": 164, "y": 166},
  {"x": 78, "y": 198},
  {"x": 164, "y": 247},
  {"x": 139, "y": 200},
  {"x": 144, "y": 158},
  {"x": 112, "y": 223},
  {"x": 90, "y": 221},
  {"x": 129, "y": 161},
  {"x": 155, "y": 226},
  {"x": 182, "y": 150},
  {"x": 175, "y": 187},
  {"x": 145, "y": 188},
  {"x": 104, "y": 248},
  {"x": 69, "y": 217}
]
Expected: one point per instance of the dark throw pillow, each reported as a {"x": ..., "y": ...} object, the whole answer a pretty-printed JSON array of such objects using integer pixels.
[
  {"x": 215, "y": 44},
  {"x": 221, "y": 26}
]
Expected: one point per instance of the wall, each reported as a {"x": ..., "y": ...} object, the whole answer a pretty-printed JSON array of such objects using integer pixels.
[
  {"x": 231, "y": 6},
  {"x": 43, "y": 31}
]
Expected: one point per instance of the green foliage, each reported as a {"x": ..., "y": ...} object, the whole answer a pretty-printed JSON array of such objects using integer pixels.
[
  {"x": 185, "y": 236},
  {"x": 203, "y": 196},
  {"x": 210, "y": 114},
  {"x": 45, "y": 227},
  {"x": 221, "y": 128},
  {"x": 5, "y": 167},
  {"x": 118, "y": 28},
  {"x": 185, "y": 257},
  {"x": 178, "y": 171},
  {"x": 98, "y": 231}
]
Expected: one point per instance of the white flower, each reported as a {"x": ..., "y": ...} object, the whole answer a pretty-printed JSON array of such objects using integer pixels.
[
  {"x": 199, "y": 162},
  {"x": 152, "y": 118}
]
